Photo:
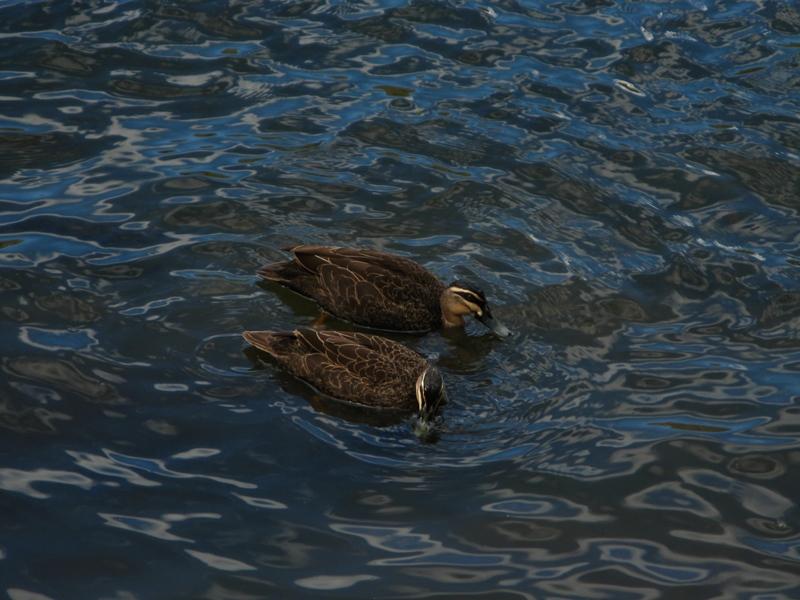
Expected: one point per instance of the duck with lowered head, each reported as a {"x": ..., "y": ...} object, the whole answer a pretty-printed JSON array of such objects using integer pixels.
[
  {"x": 362, "y": 369},
  {"x": 379, "y": 289}
]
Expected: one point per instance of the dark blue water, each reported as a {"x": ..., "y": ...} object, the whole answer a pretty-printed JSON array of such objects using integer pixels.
[{"x": 622, "y": 178}]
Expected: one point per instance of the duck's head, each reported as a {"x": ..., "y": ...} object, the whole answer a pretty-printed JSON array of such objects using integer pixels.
[
  {"x": 430, "y": 393},
  {"x": 461, "y": 298}
]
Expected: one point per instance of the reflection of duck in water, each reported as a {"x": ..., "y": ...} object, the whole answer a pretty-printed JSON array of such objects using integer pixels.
[
  {"x": 365, "y": 370},
  {"x": 380, "y": 290}
]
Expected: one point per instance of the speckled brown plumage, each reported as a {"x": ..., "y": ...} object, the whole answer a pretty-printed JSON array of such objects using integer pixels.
[
  {"x": 357, "y": 367},
  {"x": 367, "y": 287}
]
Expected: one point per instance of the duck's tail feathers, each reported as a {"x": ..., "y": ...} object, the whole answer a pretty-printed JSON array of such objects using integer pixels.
[
  {"x": 275, "y": 343},
  {"x": 281, "y": 272}
]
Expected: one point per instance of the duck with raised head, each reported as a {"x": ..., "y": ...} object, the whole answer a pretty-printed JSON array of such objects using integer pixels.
[
  {"x": 380, "y": 290},
  {"x": 363, "y": 369}
]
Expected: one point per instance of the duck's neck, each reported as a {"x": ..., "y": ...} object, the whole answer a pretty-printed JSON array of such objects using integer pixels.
[
  {"x": 453, "y": 321},
  {"x": 450, "y": 318}
]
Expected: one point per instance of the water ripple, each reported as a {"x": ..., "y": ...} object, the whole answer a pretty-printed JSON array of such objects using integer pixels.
[{"x": 621, "y": 178}]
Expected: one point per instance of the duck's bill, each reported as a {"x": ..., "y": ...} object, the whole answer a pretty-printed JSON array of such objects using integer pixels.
[
  {"x": 496, "y": 326},
  {"x": 426, "y": 430}
]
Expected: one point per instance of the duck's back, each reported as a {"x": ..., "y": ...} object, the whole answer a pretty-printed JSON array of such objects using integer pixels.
[
  {"x": 367, "y": 287},
  {"x": 356, "y": 367}
]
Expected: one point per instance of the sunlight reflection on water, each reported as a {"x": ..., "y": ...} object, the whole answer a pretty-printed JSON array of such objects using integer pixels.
[{"x": 620, "y": 178}]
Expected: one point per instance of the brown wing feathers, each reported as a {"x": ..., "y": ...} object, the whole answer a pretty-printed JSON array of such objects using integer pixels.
[
  {"x": 352, "y": 366},
  {"x": 377, "y": 359},
  {"x": 368, "y": 287},
  {"x": 275, "y": 343},
  {"x": 364, "y": 286}
]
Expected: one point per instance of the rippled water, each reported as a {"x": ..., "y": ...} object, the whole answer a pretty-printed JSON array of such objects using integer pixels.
[{"x": 623, "y": 178}]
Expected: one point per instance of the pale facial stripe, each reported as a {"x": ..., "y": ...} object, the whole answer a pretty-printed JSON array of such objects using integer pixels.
[
  {"x": 465, "y": 292},
  {"x": 473, "y": 306}
]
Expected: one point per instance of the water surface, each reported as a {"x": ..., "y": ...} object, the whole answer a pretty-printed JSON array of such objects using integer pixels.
[{"x": 623, "y": 179}]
